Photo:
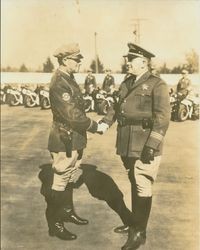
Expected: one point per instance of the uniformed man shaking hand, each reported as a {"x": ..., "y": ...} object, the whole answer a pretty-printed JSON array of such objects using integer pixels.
[
  {"x": 67, "y": 140},
  {"x": 143, "y": 115}
]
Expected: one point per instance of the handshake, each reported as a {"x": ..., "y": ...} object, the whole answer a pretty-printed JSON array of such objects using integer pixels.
[{"x": 102, "y": 127}]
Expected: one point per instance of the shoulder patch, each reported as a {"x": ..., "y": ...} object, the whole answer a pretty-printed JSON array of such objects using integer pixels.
[{"x": 66, "y": 96}]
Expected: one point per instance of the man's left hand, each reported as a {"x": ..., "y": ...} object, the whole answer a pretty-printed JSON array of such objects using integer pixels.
[{"x": 147, "y": 155}]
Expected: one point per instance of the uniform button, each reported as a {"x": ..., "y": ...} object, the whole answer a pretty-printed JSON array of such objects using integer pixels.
[
  {"x": 122, "y": 111},
  {"x": 124, "y": 101}
]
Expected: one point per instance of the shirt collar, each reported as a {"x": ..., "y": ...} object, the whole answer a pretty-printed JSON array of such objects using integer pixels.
[{"x": 139, "y": 76}]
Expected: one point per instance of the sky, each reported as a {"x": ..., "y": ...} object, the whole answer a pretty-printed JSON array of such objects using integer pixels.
[{"x": 31, "y": 30}]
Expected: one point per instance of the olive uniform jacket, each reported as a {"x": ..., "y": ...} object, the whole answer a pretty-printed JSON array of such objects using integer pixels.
[
  {"x": 145, "y": 99},
  {"x": 108, "y": 81},
  {"x": 67, "y": 107}
]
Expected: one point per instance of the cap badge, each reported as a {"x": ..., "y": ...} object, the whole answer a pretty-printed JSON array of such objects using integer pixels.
[{"x": 65, "y": 96}]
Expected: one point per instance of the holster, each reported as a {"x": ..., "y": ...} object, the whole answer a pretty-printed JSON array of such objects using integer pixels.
[{"x": 66, "y": 138}]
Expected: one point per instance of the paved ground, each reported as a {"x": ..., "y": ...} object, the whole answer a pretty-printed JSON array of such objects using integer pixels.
[{"x": 174, "y": 221}]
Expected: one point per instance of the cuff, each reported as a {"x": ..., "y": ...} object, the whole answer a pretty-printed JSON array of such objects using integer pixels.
[{"x": 154, "y": 140}]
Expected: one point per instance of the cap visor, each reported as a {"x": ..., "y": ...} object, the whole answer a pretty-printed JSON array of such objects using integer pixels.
[{"x": 79, "y": 56}]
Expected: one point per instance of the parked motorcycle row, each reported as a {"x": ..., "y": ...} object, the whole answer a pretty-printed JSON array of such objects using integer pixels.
[
  {"x": 184, "y": 107},
  {"x": 99, "y": 101},
  {"x": 26, "y": 96}
]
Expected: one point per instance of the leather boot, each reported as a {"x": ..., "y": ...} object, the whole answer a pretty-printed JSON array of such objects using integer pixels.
[
  {"x": 142, "y": 212},
  {"x": 135, "y": 239},
  {"x": 61, "y": 232},
  {"x": 54, "y": 220},
  {"x": 68, "y": 213}
]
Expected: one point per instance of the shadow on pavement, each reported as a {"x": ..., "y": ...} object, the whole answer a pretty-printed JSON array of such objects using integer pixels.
[{"x": 99, "y": 184}]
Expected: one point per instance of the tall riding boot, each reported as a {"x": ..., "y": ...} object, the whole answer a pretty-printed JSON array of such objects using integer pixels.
[
  {"x": 142, "y": 212},
  {"x": 137, "y": 232},
  {"x": 55, "y": 222},
  {"x": 68, "y": 212}
]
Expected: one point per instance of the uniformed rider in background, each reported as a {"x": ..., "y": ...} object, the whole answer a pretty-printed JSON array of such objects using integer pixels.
[
  {"x": 143, "y": 115},
  {"x": 90, "y": 82},
  {"x": 108, "y": 82},
  {"x": 67, "y": 141},
  {"x": 184, "y": 84}
]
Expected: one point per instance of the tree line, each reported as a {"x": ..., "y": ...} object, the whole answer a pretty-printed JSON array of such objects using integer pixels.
[{"x": 191, "y": 63}]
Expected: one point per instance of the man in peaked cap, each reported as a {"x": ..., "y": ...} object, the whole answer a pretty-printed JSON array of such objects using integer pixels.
[
  {"x": 143, "y": 115},
  {"x": 67, "y": 141}
]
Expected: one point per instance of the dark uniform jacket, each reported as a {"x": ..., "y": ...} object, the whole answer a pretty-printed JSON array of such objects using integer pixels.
[
  {"x": 145, "y": 111},
  {"x": 89, "y": 80},
  {"x": 108, "y": 81},
  {"x": 182, "y": 86},
  {"x": 67, "y": 107}
]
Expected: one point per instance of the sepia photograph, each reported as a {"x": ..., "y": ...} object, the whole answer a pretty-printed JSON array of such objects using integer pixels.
[{"x": 100, "y": 124}]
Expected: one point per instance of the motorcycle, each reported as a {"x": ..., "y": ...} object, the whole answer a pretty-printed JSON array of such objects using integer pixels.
[
  {"x": 31, "y": 98},
  {"x": 184, "y": 107},
  {"x": 104, "y": 100},
  {"x": 44, "y": 99},
  {"x": 89, "y": 99},
  {"x": 3, "y": 94},
  {"x": 14, "y": 96}
]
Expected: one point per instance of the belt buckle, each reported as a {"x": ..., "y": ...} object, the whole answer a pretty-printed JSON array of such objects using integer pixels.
[{"x": 146, "y": 123}]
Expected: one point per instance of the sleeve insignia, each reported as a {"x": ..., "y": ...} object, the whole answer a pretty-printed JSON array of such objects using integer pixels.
[{"x": 65, "y": 96}]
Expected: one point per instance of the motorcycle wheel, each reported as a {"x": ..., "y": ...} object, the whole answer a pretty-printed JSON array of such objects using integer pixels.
[
  {"x": 13, "y": 101},
  {"x": 28, "y": 103},
  {"x": 45, "y": 104},
  {"x": 87, "y": 105},
  {"x": 103, "y": 108},
  {"x": 182, "y": 113}
]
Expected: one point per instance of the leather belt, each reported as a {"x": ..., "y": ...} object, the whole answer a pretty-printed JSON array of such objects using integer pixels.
[{"x": 145, "y": 122}]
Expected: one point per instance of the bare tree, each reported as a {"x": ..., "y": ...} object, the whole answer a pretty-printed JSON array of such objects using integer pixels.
[{"x": 192, "y": 59}]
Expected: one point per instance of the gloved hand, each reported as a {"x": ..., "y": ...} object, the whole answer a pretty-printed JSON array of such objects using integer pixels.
[
  {"x": 102, "y": 127},
  {"x": 147, "y": 155}
]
